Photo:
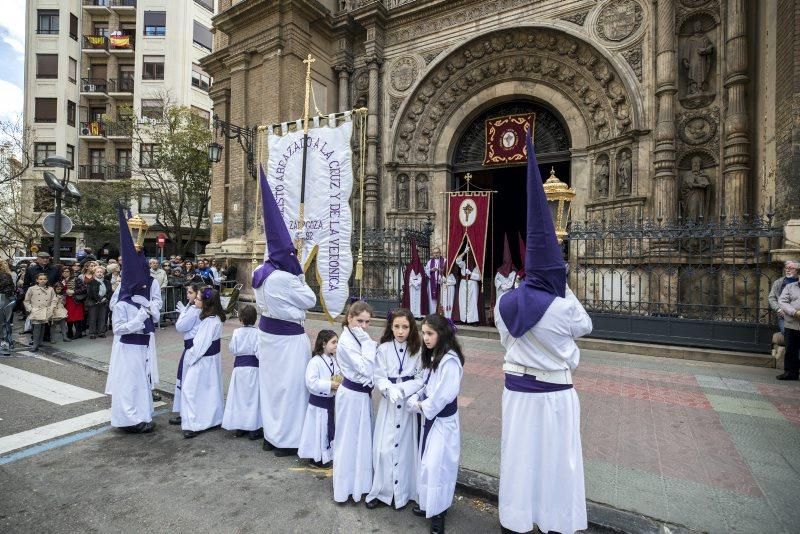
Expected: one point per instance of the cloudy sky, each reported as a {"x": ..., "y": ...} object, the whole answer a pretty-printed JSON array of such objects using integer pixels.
[{"x": 12, "y": 56}]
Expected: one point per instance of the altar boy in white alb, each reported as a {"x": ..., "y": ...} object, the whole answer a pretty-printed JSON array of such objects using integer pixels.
[{"x": 541, "y": 463}]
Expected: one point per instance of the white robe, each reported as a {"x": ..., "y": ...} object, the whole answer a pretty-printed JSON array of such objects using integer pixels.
[
  {"x": 504, "y": 284},
  {"x": 314, "y": 440},
  {"x": 448, "y": 295},
  {"x": 415, "y": 293},
  {"x": 187, "y": 323},
  {"x": 468, "y": 293},
  {"x": 395, "y": 450},
  {"x": 438, "y": 468},
  {"x": 283, "y": 359},
  {"x": 438, "y": 263},
  {"x": 541, "y": 462},
  {"x": 201, "y": 387},
  {"x": 242, "y": 404},
  {"x": 129, "y": 381},
  {"x": 352, "y": 449}
]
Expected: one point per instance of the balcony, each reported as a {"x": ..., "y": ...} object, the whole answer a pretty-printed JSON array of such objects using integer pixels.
[
  {"x": 95, "y": 45},
  {"x": 94, "y": 87},
  {"x": 92, "y": 130},
  {"x": 121, "y": 87},
  {"x": 120, "y": 130},
  {"x": 96, "y": 7},
  {"x": 93, "y": 172},
  {"x": 124, "y": 6},
  {"x": 121, "y": 44},
  {"x": 119, "y": 172}
]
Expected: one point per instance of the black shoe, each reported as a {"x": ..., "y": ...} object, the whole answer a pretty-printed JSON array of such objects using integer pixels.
[
  {"x": 156, "y": 397},
  {"x": 92, "y": 336},
  {"x": 239, "y": 433},
  {"x": 371, "y": 505},
  {"x": 141, "y": 428},
  {"x": 437, "y": 524},
  {"x": 417, "y": 511},
  {"x": 189, "y": 434},
  {"x": 282, "y": 453},
  {"x": 267, "y": 446},
  {"x": 787, "y": 376},
  {"x": 255, "y": 434},
  {"x": 148, "y": 427},
  {"x": 176, "y": 420},
  {"x": 101, "y": 335}
]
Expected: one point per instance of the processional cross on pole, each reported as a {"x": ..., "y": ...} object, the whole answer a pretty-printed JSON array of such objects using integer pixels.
[{"x": 301, "y": 212}]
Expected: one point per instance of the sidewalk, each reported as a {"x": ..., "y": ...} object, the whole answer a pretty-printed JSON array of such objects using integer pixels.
[{"x": 710, "y": 446}]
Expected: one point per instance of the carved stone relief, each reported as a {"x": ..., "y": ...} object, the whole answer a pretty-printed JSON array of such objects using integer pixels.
[
  {"x": 421, "y": 201},
  {"x": 402, "y": 192},
  {"x": 601, "y": 176},
  {"x": 431, "y": 55},
  {"x": 404, "y": 73},
  {"x": 697, "y": 129},
  {"x": 696, "y": 185},
  {"x": 697, "y": 61},
  {"x": 394, "y": 105},
  {"x": 694, "y": 3},
  {"x": 560, "y": 60},
  {"x": 634, "y": 58},
  {"x": 624, "y": 172},
  {"x": 619, "y": 19},
  {"x": 362, "y": 81},
  {"x": 576, "y": 18}
]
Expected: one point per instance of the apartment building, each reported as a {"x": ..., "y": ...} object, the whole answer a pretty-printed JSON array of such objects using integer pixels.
[{"x": 88, "y": 63}]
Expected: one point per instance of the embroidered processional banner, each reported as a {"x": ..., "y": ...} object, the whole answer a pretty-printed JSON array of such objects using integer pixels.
[
  {"x": 327, "y": 224},
  {"x": 505, "y": 139},
  {"x": 468, "y": 221}
]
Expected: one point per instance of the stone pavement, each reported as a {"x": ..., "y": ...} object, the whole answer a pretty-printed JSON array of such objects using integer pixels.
[{"x": 710, "y": 446}]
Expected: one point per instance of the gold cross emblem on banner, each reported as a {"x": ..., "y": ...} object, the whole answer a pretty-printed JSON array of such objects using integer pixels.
[{"x": 467, "y": 209}]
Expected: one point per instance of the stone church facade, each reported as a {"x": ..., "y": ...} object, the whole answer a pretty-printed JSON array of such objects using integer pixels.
[{"x": 658, "y": 108}]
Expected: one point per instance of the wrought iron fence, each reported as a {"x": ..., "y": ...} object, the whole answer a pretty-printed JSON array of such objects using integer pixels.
[
  {"x": 386, "y": 253},
  {"x": 700, "y": 283}
]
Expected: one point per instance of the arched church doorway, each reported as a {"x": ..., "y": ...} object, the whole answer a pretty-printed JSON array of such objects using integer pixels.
[{"x": 552, "y": 144}]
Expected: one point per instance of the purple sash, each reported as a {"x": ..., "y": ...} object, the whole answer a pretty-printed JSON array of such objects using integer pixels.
[
  {"x": 353, "y": 386},
  {"x": 327, "y": 404},
  {"x": 187, "y": 344},
  {"x": 246, "y": 360},
  {"x": 135, "y": 339},
  {"x": 393, "y": 379},
  {"x": 215, "y": 348},
  {"x": 529, "y": 384},
  {"x": 279, "y": 327},
  {"x": 447, "y": 411}
]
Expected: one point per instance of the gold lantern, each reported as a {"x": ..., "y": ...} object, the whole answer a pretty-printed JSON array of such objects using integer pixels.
[
  {"x": 138, "y": 229},
  {"x": 559, "y": 199}
]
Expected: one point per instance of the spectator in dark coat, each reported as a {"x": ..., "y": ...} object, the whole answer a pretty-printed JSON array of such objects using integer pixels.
[
  {"x": 97, "y": 297},
  {"x": 42, "y": 265}
]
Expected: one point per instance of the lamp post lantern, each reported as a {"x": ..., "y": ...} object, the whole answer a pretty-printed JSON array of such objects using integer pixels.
[
  {"x": 59, "y": 189},
  {"x": 244, "y": 136}
]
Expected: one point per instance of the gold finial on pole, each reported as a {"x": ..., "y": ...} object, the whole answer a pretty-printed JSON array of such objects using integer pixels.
[
  {"x": 308, "y": 63},
  {"x": 468, "y": 178},
  {"x": 301, "y": 212}
]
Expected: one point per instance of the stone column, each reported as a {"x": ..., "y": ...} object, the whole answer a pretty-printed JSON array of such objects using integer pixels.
[
  {"x": 344, "y": 87},
  {"x": 736, "y": 154},
  {"x": 371, "y": 181},
  {"x": 666, "y": 86},
  {"x": 219, "y": 177},
  {"x": 237, "y": 170}
]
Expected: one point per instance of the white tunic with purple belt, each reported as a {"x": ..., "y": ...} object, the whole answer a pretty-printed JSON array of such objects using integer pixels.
[
  {"x": 242, "y": 404},
  {"x": 188, "y": 322},
  {"x": 201, "y": 387},
  {"x": 319, "y": 430}
]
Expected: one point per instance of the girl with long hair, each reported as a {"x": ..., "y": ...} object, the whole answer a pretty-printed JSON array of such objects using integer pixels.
[
  {"x": 440, "y": 443},
  {"x": 398, "y": 375},
  {"x": 187, "y": 324},
  {"x": 316, "y": 441}
]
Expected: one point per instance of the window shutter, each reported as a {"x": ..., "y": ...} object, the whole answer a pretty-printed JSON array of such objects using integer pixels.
[
  {"x": 202, "y": 35},
  {"x": 155, "y": 18}
]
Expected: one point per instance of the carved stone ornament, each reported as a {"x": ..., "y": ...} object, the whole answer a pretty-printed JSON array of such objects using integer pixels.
[
  {"x": 362, "y": 81},
  {"x": 694, "y": 3},
  {"x": 402, "y": 192},
  {"x": 576, "y": 18},
  {"x": 601, "y": 176},
  {"x": 404, "y": 74},
  {"x": 422, "y": 192},
  {"x": 619, "y": 19},
  {"x": 697, "y": 130},
  {"x": 624, "y": 172},
  {"x": 634, "y": 58},
  {"x": 566, "y": 63}
]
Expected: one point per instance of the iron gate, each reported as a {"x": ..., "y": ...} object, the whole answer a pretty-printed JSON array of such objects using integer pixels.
[{"x": 693, "y": 283}]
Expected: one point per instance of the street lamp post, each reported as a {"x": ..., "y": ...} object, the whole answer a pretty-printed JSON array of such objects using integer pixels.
[
  {"x": 59, "y": 188},
  {"x": 244, "y": 136}
]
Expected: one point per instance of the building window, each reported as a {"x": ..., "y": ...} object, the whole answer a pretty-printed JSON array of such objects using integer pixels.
[
  {"x": 73, "y": 26},
  {"x": 202, "y": 36},
  {"x": 152, "y": 109},
  {"x": 43, "y": 199},
  {"x": 42, "y": 151},
  {"x": 148, "y": 154},
  {"x": 72, "y": 72},
  {"x": 101, "y": 28},
  {"x": 46, "y": 110},
  {"x": 153, "y": 68},
  {"x": 200, "y": 79},
  {"x": 202, "y": 115},
  {"x": 147, "y": 204},
  {"x": 46, "y": 66},
  {"x": 71, "y": 155},
  {"x": 47, "y": 22},
  {"x": 208, "y": 4},
  {"x": 71, "y": 109},
  {"x": 155, "y": 23}
]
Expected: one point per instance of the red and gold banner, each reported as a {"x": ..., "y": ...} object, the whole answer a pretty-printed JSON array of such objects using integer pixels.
[
  {"x": 120, "y": 41},
  {"x": 505, "y": 139},
  {"x": 468, "y": 221}
]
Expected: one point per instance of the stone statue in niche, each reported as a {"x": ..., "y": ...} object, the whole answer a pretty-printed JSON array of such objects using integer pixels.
[
  {"x": 624, "y": 172},
  {"x": 601, "y": 178},
  {"x": 402, "y": 192},
  {"x": 698, "y": 57},
  {"x": 422, "y": 193},
  {"x": 695, "y": 191}
]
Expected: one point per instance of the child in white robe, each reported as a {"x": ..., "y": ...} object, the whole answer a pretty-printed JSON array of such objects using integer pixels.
[
  {"x": 440, "y": 443},
  {"x": 242, "y": 412},
  {"x": 316, "y": 441},
  {"x": 395, "y": 440},
  {"x": 201, "y": 387},
  {"x": 187, "y": 323},
  {"x": 352, "y": 450}
]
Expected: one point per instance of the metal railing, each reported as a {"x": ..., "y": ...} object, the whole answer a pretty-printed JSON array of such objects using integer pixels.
[
  {"x": 93, "y": 172},
  {"x": 123, "y": 3},
  {"x": 96, "y": 3},
  {"x": 119, "y": 172},
  {"x": 120, "y": 129},
  {"x": 92, "y": 128},
  {"x": 121, "y": 85},
  {"x": 94, "y": 85},
  {"x": 123, "y": 42}
]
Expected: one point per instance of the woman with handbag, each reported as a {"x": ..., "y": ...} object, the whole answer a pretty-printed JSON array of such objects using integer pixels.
[
  {"x": 98, "y": 295},
  {"x": 73, "y": 304}
]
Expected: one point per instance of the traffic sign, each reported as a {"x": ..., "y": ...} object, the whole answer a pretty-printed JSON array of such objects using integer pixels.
[
  {"x": 161, "y": 239},
  {"x": 49, "y": 224}
]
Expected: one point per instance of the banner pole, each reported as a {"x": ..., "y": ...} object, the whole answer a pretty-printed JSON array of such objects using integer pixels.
[{"x": 301, "y": 223}]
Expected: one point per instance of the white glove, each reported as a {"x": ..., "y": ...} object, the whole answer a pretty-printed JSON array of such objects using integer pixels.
[
  {"x": 394, "y": 394},
  {"x": 140, "y": 300},
  {"x": 411, "y": 404},
  {"x": 180, "y": 306},
  {"x": 360, "y": 334},
  {"x": 143, "y": 314}
]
